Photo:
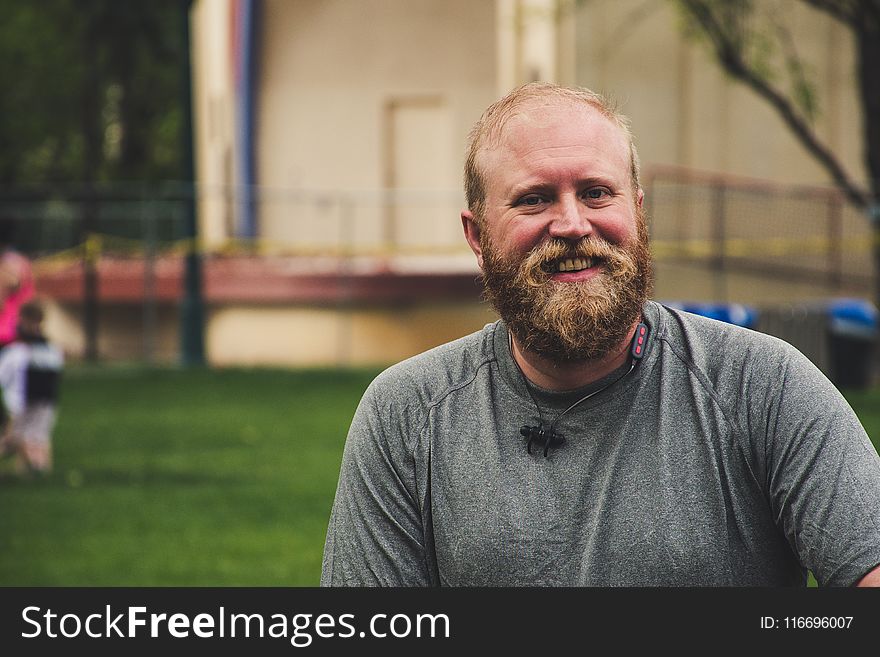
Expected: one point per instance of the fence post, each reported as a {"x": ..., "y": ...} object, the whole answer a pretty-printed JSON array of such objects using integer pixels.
[
  {"x": 835, "y": 240},
  {"x": 192, "y": 345},
  {"x": 650, "y": 202},
  {"x": 718, "y": 230},
  {"x": 345, "y": 272},
  {"x": 148, "y": 220},
  {"x": 91, "y": 256}
]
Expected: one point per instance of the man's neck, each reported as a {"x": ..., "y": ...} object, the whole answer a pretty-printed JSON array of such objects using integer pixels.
[{"x": 551, "y": 375}]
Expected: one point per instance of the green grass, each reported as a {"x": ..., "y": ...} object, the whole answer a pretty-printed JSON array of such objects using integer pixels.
[
  {"x": 182, "y": 478},
  {"x": 192, "y": 478},
  {"x": 867, "y": 405}
]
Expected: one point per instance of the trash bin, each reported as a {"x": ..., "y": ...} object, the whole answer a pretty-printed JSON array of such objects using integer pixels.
[
  {"x": 852, "y": 338},
  {"x": 732, "y": 313}
]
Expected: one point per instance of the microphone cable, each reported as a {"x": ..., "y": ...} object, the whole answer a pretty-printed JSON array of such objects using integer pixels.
[{"x": 549, "y": 436}]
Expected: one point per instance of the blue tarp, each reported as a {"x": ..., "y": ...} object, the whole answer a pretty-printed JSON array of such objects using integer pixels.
[
  {"x": 855, "y": 318},
  {"x": 732, "y": 313}
]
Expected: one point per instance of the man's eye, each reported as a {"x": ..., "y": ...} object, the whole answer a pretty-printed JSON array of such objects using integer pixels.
[
  {"x": 531, "y": 200},
  {"x": 595, "y": 193}
]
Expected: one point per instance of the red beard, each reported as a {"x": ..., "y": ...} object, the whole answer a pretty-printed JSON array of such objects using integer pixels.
[{"x": 570, "y": 321}]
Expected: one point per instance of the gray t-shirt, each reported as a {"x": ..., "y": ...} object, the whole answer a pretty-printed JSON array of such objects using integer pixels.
[{"x": 724, "y": 458}]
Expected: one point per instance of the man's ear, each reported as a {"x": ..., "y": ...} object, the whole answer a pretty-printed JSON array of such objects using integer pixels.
[
  {"x": 472, "y": 234},
  {"x": 640, "y": 197}
]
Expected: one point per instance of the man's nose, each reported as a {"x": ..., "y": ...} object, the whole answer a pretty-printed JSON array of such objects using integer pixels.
[{"x": 571, "y": 220}]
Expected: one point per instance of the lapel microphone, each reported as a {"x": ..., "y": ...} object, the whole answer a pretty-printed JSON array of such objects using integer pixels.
[{"x": 549, "y": 437}]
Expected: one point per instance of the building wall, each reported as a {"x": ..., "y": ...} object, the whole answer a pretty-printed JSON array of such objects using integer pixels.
[
  {"x": 363, "y": 106},
  {"x": 686, "y": 111},
  {"x": 363, "y": 109},
  {"x": 363, "y": 97},
  {"x": 317, "y": 336},
  {"x": 213, "y": 109},
  {"x": 127, "y": 332}
]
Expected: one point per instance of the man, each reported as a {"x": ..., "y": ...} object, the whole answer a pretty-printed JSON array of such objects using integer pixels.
[{"x": 593, "y": 437}]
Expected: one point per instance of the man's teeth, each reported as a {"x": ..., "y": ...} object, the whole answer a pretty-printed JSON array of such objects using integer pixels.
[{"x": 574, "y": 264}]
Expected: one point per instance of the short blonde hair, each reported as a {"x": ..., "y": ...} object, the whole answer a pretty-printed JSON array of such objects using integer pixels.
[{"x": 496, "y": 115}]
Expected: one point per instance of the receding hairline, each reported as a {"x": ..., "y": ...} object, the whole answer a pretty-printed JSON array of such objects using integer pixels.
[{"x": 487, "y": 132}]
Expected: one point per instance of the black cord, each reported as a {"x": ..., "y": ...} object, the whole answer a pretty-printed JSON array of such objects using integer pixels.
[{"x": 549, "y": 436}]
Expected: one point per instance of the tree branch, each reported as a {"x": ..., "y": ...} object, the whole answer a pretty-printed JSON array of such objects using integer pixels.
[
  {"x": 872, "y": 7},
  {"x": 730, "y": 55},
  {"x": 839, "y": 9}
]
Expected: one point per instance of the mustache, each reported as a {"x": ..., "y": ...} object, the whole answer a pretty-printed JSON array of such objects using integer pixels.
[
  {"x": 587, "y": 247},
  {"x": 539, "y": 260}
]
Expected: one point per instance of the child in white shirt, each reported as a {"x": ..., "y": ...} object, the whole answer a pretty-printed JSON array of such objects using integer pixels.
[{"x": 30, "y": 373}]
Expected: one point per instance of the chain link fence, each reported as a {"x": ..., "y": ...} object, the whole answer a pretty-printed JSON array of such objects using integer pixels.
[
  {"x": 82, "y": 236},
  {"x": 783, "y": 232}
]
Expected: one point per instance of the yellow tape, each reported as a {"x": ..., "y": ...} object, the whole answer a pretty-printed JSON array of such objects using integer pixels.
[{"x": 100, "y": 245}]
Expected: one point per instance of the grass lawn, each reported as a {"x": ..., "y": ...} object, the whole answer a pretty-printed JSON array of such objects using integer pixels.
[
  {"x": 867, "y": 405},
  {"x": 182, "y": 478},
  {"x": 192, "y": 478}
]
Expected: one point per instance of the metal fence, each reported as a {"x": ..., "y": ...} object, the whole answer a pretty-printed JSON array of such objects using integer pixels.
[
  {"x": 789, "y": 232},
  {"x": 720, "y": 225},
  {"x": 720, "y": 222},
  {"x": 54, "y": 219}
]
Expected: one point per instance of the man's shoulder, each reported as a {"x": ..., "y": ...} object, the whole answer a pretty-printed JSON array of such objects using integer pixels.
[
  {"x": 431, "y": 374},
  {"x": 686, "y": 328},
  {"x": 716, "y": 347}
]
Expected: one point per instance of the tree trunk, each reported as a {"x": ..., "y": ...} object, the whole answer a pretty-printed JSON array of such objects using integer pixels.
[
  {"x": 868, "y": 44},
  {"x": 91, "y": 127}
]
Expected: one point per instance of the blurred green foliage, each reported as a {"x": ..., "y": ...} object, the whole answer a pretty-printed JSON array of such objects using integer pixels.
[{"x": 91, "y": 90}]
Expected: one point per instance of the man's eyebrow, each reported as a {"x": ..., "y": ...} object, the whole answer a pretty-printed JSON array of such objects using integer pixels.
[
  {"x": 529, "y": 188},
  {"x": 605, "y": 181},
  {"x": 535, "y": 186}
]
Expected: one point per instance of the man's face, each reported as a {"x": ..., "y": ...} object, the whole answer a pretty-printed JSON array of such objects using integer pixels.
[{"x": 563, "y": 244}]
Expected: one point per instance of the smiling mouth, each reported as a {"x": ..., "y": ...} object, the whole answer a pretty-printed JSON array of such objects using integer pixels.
[{"x": 569, "y": 265}]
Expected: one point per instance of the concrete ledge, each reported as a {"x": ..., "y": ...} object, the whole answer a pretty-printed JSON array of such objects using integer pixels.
[{"x": 254, "y": 280}]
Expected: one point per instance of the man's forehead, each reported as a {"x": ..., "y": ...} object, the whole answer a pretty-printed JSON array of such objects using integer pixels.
[
  {"x": 543, "y": 111},
  {"x": 548, "y": 122}
]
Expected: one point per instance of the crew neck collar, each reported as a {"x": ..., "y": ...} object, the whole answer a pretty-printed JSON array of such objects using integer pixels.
[{"x": 560, "y": 399}]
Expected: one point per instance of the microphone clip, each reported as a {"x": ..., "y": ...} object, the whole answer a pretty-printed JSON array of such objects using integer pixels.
[{"x": 547, "y": 437}]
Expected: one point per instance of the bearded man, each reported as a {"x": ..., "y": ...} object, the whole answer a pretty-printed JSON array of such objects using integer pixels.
[{"x": 592, "y": 436}]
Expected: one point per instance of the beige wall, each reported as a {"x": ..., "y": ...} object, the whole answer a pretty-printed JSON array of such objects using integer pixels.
[
  {"x": 685, "y": 111},
  {"x": 359, "y": 97},
  {"x": 213, "y": 107},
  {"x": 356, "y": 94},
  {"x": 302, "y": 336},
  {"x": 123, "y": 332}
]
